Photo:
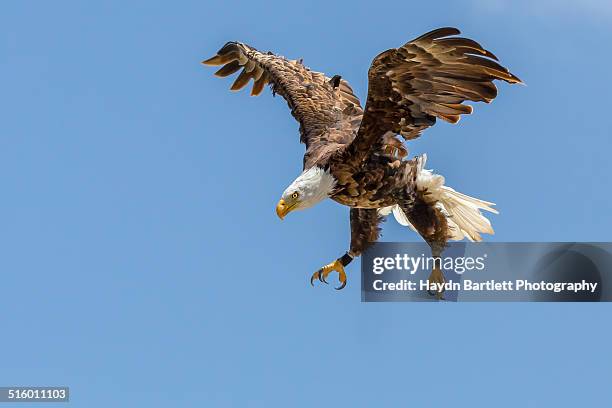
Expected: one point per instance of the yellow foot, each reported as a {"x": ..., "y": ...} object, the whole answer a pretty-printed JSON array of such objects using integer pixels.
[
  {"x": 438, "y": 278},
  {"x": 322, "y": 273}
]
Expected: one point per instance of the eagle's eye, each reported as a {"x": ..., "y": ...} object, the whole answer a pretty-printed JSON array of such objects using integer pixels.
[{"x": 295, "y": 195}]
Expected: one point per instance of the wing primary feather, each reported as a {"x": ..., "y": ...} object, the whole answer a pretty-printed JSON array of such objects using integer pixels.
[
  {"x": 229, "y": 47},
  {"x": 438, "y": 33},
  {"x": 228, "y": 69},
  {"x": 464, "y": 109},
  {"x": 460, "y": 43},
  {"x": 221, "y": 59},
  {"x": 242, "y": 80},
  {"x": 259, "y": 85}
]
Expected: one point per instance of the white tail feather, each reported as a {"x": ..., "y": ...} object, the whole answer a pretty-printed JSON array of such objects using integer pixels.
[{"x": 462, "y": 211}]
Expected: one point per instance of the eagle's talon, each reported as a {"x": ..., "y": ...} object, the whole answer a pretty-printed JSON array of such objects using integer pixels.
[
  {"x": 439, "y": 295},
  {"x": 342, "y": 279},
  {"x": 321, "y": 277},
  {"x": 316, "y": 275},
  {"x": 327, "y": 269}
]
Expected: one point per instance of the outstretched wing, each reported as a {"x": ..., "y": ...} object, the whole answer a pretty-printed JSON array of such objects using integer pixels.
[
  {"x": 327, "y": 110},
  {"x": 427, "y": 78}
]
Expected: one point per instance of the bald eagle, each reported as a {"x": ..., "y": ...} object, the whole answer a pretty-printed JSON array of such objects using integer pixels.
[{"x": 357, "y": 157}]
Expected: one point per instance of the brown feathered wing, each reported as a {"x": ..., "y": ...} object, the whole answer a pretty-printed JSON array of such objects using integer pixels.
[
  {"x": 427, "y": 78},
  {"x": 328, "y": 112}
]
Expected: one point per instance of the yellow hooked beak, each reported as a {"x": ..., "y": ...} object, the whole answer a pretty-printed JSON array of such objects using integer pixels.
[{"x": 282, "y": 209}]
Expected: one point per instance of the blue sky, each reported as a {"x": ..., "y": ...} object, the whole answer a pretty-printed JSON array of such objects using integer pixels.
[{"x": 143, "y": 263}]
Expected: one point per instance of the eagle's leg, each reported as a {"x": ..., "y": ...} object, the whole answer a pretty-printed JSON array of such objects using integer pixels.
[
  {"x": 364, "y": 232},
  {"x": 431, "y": 224},
  {"x": 337, "y": 266},
  {"x": 436, "y": 276}
]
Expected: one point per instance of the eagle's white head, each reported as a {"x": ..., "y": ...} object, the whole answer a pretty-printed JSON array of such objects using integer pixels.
[{"x": 313, "y": 185}]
